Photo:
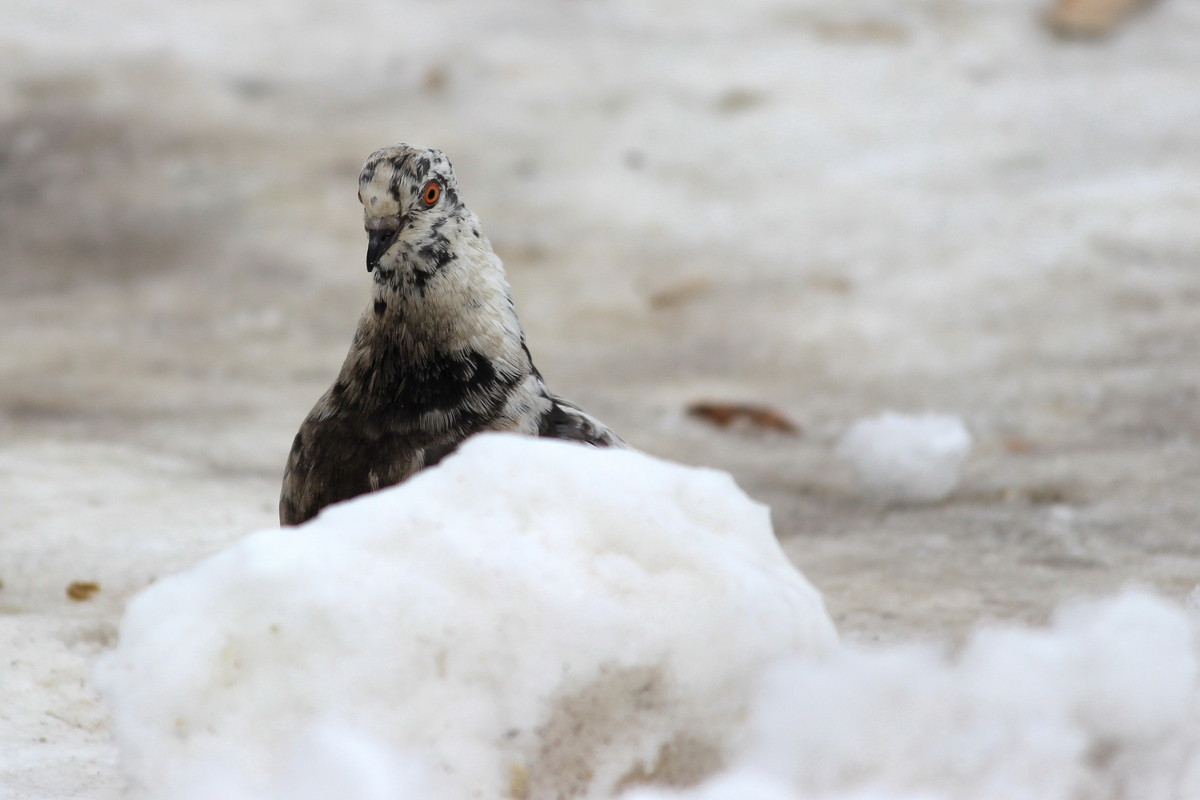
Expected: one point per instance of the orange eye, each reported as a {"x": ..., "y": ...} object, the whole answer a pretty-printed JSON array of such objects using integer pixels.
[{"x": 432, "y": 193}]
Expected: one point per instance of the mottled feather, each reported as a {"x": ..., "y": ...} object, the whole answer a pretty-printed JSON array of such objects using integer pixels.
[{"x": 438, "y": 355}]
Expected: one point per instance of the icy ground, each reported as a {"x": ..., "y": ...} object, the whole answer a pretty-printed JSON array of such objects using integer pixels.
[{"x": 832, "y": 208}]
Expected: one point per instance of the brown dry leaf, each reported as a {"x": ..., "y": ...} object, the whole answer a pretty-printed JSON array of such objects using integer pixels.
[
  {"x": 873, "y": 31},
  {"x": 726, "y": 415},
  {"x": 1048, "y": 495},
  {"x": 1015, "y": 444},
  {"x": 436, "y": 79},
  {"x": 737, "y": 100},
  {"x": 1089, "y": 18},
  {"x": 82, "y": 590},
  {"x": 679, "y": 292},
  {"x": 834, "y": 284}
]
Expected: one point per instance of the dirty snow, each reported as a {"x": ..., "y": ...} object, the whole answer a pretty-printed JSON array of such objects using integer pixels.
[{"x": 830, "y": 208}]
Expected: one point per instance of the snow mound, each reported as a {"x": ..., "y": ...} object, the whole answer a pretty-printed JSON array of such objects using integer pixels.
[
  {"x": 1102, "y": 706},
  {"x": 530, "y": 619},
  {"x": 910, "y": 458},
  {"x": 326, "y": 761}
]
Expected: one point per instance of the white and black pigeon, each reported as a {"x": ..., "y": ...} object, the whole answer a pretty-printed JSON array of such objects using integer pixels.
[{"x": 438, "y": 355}]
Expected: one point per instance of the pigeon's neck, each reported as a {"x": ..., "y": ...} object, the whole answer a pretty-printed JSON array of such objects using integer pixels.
[
  {"x": 466, "y": 304},
  {"x": 405, "y": 336}
]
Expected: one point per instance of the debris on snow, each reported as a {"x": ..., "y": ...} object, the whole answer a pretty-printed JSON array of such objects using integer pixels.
[
  {"x": 1090, "y": 18},
  {"x": 80, "y": 591},
  {"x": 750, "y": 415}
]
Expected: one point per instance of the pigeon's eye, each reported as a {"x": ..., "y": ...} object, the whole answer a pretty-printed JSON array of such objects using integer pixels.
[{"x": 432, "y": 193}]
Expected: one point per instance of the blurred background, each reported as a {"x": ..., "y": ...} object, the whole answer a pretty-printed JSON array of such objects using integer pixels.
[{"x": 986, "y": 208}]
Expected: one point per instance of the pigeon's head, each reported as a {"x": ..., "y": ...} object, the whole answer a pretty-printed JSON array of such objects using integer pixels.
[{"x": 408, "y": 193}]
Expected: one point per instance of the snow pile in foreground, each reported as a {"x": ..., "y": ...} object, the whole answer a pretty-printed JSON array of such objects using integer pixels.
[
  {"x": 1100, "y": 707},
  {"x": 529, "y": 619},
  {"x": 913, "y": 458}
]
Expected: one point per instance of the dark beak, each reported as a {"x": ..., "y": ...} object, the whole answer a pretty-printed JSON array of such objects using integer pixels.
[{"x": 378, "y": 243}]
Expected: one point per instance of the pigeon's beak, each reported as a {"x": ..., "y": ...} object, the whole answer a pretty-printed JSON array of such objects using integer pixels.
[{"x": 378, "y": 243}]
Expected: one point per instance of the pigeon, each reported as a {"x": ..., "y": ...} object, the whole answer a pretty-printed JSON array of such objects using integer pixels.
[{"x": 438, "y": 355}]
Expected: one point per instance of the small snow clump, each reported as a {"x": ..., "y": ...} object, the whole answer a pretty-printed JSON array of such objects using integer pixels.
[
  {"x": 529, "y": 619},
  {"x": 907, "y": 458},
  {"x": 1103, "y": 706}
]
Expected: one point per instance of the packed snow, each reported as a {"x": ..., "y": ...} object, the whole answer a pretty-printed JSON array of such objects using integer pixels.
[
  {"x": 903, "y": 457},
  {"x": 537, "y": 619},
  {"x": 391, "y": 650},
  {"x": 530, "y": 613}
]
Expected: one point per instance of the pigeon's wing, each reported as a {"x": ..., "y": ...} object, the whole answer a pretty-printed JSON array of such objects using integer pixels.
[
  {"x": 301, "y": 496},
  {"x": 334, "y": 459},
  {"x": 564, "y": 420},
  {"x": 325, "y": 466}
]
